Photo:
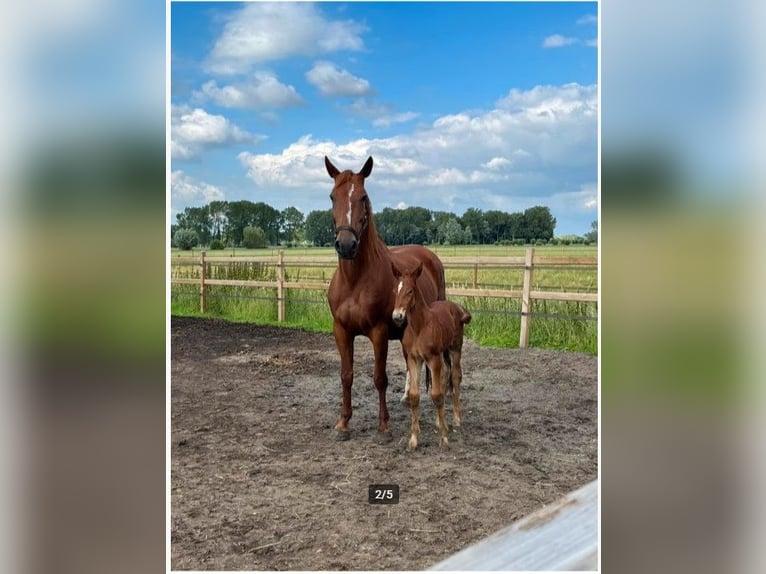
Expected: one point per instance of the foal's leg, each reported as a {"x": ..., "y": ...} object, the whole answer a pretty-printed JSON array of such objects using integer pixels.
[
  {"x": 457, "y": 378},
  {"x": 404, "y": 400},
  {"x": 379, "y": 338},
  {"x": 438, "y": 383},
  {"x": 345, "y": 344},
  {"x": 423, "y": 373},
  {"x": 413, "y": 396}
]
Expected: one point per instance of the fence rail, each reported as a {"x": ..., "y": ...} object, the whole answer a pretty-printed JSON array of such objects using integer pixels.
[{"x": 528, "y": 263}]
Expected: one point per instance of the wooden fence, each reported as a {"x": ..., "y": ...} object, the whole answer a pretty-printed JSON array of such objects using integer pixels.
[
  {"x": 527, "y": 294},
  {"x": 560, "y": 536}
]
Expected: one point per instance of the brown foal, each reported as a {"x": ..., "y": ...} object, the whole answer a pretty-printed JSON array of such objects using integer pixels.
[{"x": 434, "y": 336}]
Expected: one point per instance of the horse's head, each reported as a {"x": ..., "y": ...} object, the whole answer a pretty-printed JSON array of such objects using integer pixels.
[
  {"x": 405, "y": 285},
  {"x": 350, "y": 207}
]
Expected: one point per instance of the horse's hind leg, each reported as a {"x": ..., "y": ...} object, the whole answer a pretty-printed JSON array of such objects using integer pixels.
[
  {"x": 438, "y": 384},
  {"x": 456, "y": 377}
]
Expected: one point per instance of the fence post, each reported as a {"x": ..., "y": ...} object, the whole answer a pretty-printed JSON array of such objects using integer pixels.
[
  {"x": 525, "y": 301},
  {"x": 202, "y": 287},
  {"x": 281, "y": 286},
  {"x": 475, "y": 275}
]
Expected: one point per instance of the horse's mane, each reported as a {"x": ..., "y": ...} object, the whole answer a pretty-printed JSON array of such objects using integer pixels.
[{"x": 376, "y": 242}]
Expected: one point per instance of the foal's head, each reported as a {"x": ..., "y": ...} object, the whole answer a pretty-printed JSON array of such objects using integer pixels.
[
  {"x": 350, "y": 207},
  {"x": 405, "y": 285}
]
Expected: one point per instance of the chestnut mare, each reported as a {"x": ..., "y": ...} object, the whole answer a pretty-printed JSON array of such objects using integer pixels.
[
  {"x": 361, "y": 293},
  {"x": 434, "y": 336}
]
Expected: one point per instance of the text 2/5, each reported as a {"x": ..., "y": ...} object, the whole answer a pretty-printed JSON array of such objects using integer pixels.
[{"x": 383, "y": 494}]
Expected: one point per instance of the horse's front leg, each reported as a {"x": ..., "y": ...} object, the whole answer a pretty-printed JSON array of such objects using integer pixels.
[
  {"x": 379, "y": 338},
  {"x": 405, "y": 400},
  {"x": 413, "y": 398},
  {"x": 345, "y": 343}
]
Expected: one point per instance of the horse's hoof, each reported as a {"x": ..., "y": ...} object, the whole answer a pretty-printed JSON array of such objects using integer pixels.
[
  {"x": 342, "y": 435},
  {"x": 384, "y": 437}
]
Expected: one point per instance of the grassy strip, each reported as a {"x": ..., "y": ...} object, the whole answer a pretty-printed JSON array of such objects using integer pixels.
[{"x": 495, "y": 323}]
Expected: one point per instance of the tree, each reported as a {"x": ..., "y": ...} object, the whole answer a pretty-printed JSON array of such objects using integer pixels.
[
  {"x": 498, "y": 225},
  {"x": 452, "y": 232},
  {"x": 238, "y": 216},
  {"x": 291, "y": 223},
  {"x": 438, "y": 219},
  {"x": 217, "y": 211},
  {"x": 592, "y": 235},
  {"x": 473, "y": 219},
  {"x": 517, "y": 226},
  {"x": 318, "y": 227},
  {"x": 185, "y": 239},
  {"x": 254, "y": 238},
  {"x": 268, "y": 219},
  {"x": 539, "y": 222},
  {"x": 198, "y": 219}
]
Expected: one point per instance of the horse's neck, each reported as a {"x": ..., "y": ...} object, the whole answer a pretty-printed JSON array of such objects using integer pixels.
[
  {"x": 372, "y": 257},
  {"x": 419, "y": 314}
]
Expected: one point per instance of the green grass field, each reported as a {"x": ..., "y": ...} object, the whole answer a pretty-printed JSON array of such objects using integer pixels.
[{"x": 496, "y": 322}]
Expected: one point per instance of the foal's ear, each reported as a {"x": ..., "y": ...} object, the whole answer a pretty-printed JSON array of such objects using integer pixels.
[
  {"x": 367, "y": 168},
  {"x": 418, "y": 270},
  {"x": 331, "y": 169},
  {"x": 396, "y": 271}
]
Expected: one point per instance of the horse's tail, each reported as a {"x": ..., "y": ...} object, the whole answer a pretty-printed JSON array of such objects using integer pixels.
[{"x": 465, "y": 316}]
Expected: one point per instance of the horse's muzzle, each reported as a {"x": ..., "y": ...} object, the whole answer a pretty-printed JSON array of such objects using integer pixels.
[
  {"x": 398, "y": 317},
  {"x": 346, "y": 245}
]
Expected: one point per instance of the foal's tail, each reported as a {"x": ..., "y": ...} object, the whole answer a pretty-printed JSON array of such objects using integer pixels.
[{"x": 465, "y": 317}]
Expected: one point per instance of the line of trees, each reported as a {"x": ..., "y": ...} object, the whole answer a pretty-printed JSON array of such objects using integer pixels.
[{"x": 232, "y": 223}]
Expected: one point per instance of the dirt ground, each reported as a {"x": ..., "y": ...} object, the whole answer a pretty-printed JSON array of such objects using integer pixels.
[{"x": 258, "y": 481}]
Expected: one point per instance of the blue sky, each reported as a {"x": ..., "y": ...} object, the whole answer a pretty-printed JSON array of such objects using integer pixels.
[{"x": 486, "y": 105}]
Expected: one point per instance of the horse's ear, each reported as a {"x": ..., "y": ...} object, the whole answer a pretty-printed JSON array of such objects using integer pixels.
[
  {"x": 331, "y": 169},
  {"x": 418, "y": 270},
  {"x": 367, "y": 168},
  {"x": 396, "y": 271}
]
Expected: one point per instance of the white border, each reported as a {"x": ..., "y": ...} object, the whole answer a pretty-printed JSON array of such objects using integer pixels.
[{"x": 168, "y": 221}]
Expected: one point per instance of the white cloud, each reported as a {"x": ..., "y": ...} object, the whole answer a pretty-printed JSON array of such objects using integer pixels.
[
  {"x": 333, "y": 81},
  {"x": 559, "y": 41},
  {"x": 368, "y": 108},
  {"x": 532, "y": 143},
  {"x": 263, "y": 91},
  {"x": 593, "y": 43},
  {"x": 187, "y": 189},
  {"x": 582, "y": 199},
  {"x": 497, "y": 163},
  {"x": 387, "y": 120},
  {"x": 587, "y": 19},
  {"x": 262, "y": 32},
  {"x": 192, "y": 129}
]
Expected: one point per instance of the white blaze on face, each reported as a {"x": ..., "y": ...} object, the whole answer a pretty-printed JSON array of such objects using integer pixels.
[
  {"x": 350, "y": 193},
  {"x": 399, "y": 312}
]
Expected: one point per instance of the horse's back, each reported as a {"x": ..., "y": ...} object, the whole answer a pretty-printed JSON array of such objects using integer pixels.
[{"x": 431, "y": 282}]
